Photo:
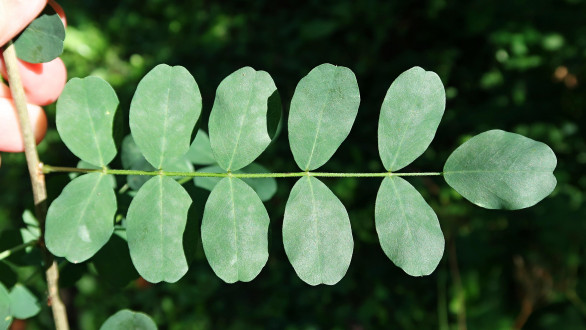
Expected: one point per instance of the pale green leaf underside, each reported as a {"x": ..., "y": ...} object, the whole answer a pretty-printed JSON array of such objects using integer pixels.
[
  {"x": 127, "y": 319},
  {"x": 408, "y": 229},
  {"x": 264, "y": 187},
  {"x": 316, "y": 233},
  {"x": 42, "y": 40},
  {"x": 155, "y": 224},
  {"x": 502, "y": 170},
  {"x": 5, "y": 311},
  {"x": 23, "y": 303},
  {"x": 234, "y": 231},
  {"x": 323, "y": 110},
  {"x": 200, "y": 152},
  {"x": 163, "y": 113},
  {"x": 81, "y": 220},
  {"x": 410, "y": 114},
  {"x": 238, "y": 121},
  {"x": 85, "y": 119}
]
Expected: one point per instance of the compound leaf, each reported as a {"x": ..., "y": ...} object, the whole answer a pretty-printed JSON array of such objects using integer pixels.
[
  {"x": 85, "y": 119},
  {"x": 23, "y": 303},
  {"x": 42, "y": 40},
  {"x": 127, "y": 319},
  {"x": 200, "y": 152},
  {"x": 238, "y": 126},
  {"x": 81, "y": 220},
  {"x": 264, "y": 187},
  {"x": 154, "y": 227},
  {"x": 5, "y": 310},
  {"x": 408, "y": 229},
  {"x": 410, "y": 114},
  {"x": 163, "y": 113},
  {"x": 316, "y": 233},
  {"x": 502, "y": 170},
  {"x": 234, "y": 231},
  {"x": 322, "y": 112}
]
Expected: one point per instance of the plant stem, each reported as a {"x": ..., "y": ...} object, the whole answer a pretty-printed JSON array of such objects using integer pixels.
[
  {"x": 8, "y": 253},
  {"x": 53, "y": 169},
  {"x": 38, "y": 184}
]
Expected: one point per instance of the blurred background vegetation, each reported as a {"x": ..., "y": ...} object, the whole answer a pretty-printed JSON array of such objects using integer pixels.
[{"x": 514, "y": 65}]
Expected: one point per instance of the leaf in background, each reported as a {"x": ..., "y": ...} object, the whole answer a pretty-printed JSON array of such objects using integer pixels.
[
  {"x": 238, "y": 122},
  {"x": 127, "y": 319},
  {"x": 163, "y": 113},
  {"x": 85, "y": 119},
  {"x": 408, "y": 229},
  {"x": 316, "y": 233},
  {"x": 322, "y": 112},
  {"x": 154, "y": 227},
  {"x": 502, "y": 170},
  {"x": 32, "y": 231},
  {"x": 113, "y": 263},
  {"x": 42, "y": 40},
  {"x": 409, "y": 117},
  {"x": 130, "y": 152},
  {"x": 5, "y": 311},
  {"x": 81, "y": 220},
  {"x": 234, "y": 231},
  {"x": 200, "y": 152},
  {"x": 23, "y": 303},
  {"x": 266, "y": 188}
]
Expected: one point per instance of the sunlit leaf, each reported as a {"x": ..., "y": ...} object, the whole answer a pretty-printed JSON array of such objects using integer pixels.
[
  {"x": 409, "y": 117},
  {"x": 163, "y": 113},
  {"x": 264, "y": 187},
  {"x": 502, "y": 170},
  {"x": 322, "y": 112},
  {"x": 5, "y": 309},
  {"x": 238, "y": 124},
  {"x": 317, "y": 233},
  {"x": 200, "y": 152},
  {"x": 42, "y": 40},
  {"x": 234, "y": 231},
  {"x": 85, "y": 119},
  {"x": 408, "y": 229},
  {"x": 81, "y": 220},
  {"x": 127, "y": 319},
  {"x": 154, "y": 227},
  {"x": 23, "y": 303}
]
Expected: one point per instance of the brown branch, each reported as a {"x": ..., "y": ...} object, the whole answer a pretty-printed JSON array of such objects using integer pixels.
[{"x": 38, "y": 184}]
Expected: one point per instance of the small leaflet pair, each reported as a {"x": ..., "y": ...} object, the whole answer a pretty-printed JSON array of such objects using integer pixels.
[{"x": 495, "y": 169}]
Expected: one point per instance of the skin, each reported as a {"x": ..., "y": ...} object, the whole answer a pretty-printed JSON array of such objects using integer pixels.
[
  {"x": 42, "y": 82},
  {"x": 10, "y": 137},
  {"x": 15, "y": 15}
]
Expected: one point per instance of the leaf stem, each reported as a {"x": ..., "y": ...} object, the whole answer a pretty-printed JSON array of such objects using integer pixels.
[
  {"x": 8, "y": 253},
  {"x": 38, "y": 183},
  {"x": 54, "y": 169}
]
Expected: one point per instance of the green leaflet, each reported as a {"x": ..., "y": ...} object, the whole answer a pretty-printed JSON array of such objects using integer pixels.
[
  {"x": 322, "y": 112},
  {"x": 85, "y": 119},
  {"x": 5, "y": 311},
  {"x": 127, "y": 319},
  {"x": 81, "y": 220},
  {"x": 23, "y": 303},
  {"x": 42, "y": 40},
  {"x": 264, "y": 187},
  {"x": 408, "y": 229},
  {"x": 113, "y": 263},
  {"x": 234, "y": 231},
  {"x": 200, "y": 152},
  {"x": 502, "y": 170},
  {"x": 155, "y": 223},
  {"x": 238, "y": 126},
  {"x": 410, "y": 114},
  {"x": 317, "y": 233},
  {"x": 163, "y": 113}
]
